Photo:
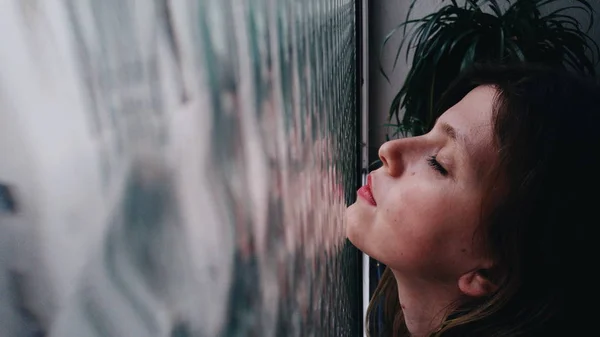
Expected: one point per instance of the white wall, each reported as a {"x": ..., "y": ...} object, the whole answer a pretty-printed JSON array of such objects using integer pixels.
[
  {"x": 16, "y": 171},
  {"x": 45, "y": 153},
  {"x": 76, "y": 99},
  {"x": 48, "y": 153}
]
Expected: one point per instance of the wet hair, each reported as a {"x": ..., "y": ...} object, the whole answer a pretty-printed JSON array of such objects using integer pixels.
[{"x": 538, "y": 226}]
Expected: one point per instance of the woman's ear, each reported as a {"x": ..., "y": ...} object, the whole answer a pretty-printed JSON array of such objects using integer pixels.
[{"x": 476, "y": 283}]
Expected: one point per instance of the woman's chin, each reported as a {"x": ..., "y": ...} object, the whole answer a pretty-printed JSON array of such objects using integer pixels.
[{"x": 352, "y": 222}]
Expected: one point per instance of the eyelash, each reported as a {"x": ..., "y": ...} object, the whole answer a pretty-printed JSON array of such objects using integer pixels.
[{"x": 432, "y": 160}]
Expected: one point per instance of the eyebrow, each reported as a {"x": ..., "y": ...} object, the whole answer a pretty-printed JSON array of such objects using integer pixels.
[
  {"x": 449, "y": 130},
  {"x": 467, "y": 151},
  {"x": 456, "y": 137}
]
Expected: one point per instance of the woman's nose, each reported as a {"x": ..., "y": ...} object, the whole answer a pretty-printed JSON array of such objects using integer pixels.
[{"x": 391, "y": 156}]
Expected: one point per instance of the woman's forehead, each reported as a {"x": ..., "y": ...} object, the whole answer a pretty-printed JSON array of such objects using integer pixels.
[{"x": 475, "y": 109}]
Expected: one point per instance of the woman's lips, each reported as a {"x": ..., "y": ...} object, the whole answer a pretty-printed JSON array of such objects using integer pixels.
[{"x": 365, "y": 192}]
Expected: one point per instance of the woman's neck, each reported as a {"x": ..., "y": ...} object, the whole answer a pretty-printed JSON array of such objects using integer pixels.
[{"x": 425, "y": 304}]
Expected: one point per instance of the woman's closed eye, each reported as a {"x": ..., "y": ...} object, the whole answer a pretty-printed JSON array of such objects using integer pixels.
[{"x": 432, "y": 160}]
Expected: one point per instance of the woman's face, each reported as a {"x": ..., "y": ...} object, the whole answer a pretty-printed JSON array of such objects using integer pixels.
[{"x": 426, "y": 198}]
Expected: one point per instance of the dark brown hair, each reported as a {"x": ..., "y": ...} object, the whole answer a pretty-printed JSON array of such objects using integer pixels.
[{"x": 540, "y": 233}]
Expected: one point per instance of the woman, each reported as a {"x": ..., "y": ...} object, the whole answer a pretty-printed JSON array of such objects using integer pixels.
[{"x": 485, "y": 223}]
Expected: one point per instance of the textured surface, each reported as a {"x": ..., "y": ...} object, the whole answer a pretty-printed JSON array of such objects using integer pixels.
[{"x": 180, "y": 168}]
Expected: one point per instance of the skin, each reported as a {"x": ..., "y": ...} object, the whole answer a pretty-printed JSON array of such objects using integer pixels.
[{"x": 428, "y": 194}]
